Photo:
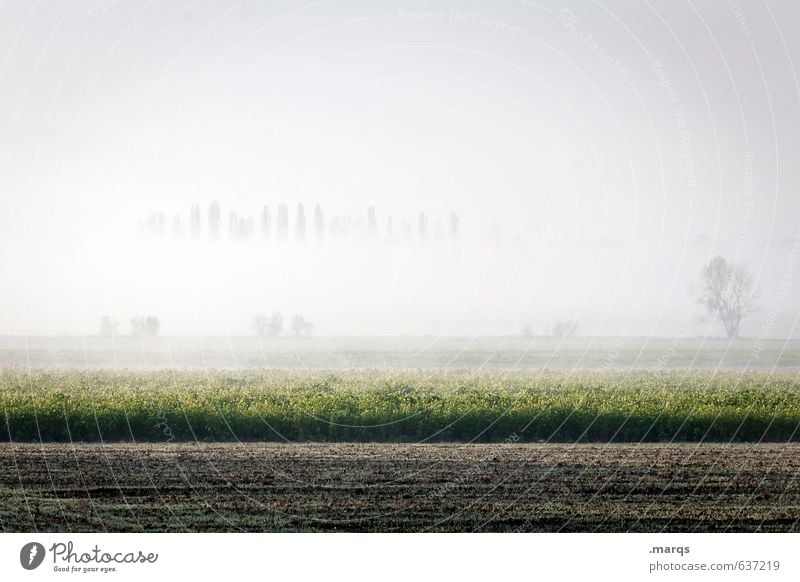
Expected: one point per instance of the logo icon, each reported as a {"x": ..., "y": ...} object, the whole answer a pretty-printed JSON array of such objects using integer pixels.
[{"x": 31, "y": 555}]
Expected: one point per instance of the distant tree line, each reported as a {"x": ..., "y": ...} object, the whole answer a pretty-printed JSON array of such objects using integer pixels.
[
  {"x": 564, "y": 328},
  {"x": 139, "y": 326},
  {"x": 272, "y": 326},
  {"x": 561, "y": 329},
  {"x": 274, "y": 224},
  {"x": 725, "y": 290},
  {"x": 265, "y": 326}
]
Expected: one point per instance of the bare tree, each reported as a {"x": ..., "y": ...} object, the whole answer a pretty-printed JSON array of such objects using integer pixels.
[
  {"x": 233, "y": 224},
  {"x": 266, "y": 222},
  {"x": 137, "y": 326},
  {"x": 148, "y": 326},
  {"x": 454, "y": 226},
  {"x": 275, "y": 325},
  {"x": 108, "y": 326},
  {"x": 300, "y": 224},
  {"x": 214, "y": 219},
  {"x": 319, "y": 223},
  {"x": 564, "y": 329},
  {"x": 151, "y": 325},
  {"x": 422, "y": 226},
  {"x": 283, "y": 221},
  {"x": 727, "y": 292},
  {"x": 194, "y": 221},
  {"x": 372, "y": 223},
  {"x": 260, "y": 325},
  {"x": 300, "y": 327}
]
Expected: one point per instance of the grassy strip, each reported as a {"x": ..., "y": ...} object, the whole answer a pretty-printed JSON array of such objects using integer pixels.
[{"x": 399, "y": 406}]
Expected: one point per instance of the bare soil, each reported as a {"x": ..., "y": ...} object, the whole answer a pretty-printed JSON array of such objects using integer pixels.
[{"x": 400, "y": 487}]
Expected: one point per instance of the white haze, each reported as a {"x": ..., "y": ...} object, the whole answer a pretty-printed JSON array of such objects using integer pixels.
[{"x": 592, "y": 176}]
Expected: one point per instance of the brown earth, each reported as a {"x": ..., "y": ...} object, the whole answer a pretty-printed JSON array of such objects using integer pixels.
[{"x": 400, "y": 487}]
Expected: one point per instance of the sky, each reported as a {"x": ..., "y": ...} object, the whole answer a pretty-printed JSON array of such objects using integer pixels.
[{"x": 596, "y": 154}]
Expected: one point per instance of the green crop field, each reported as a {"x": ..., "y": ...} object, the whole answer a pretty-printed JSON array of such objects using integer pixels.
[
  {"x": 430, "y": 450},
  {"x": 398, "y": 353},
  {"x": 64, "y": 406}
]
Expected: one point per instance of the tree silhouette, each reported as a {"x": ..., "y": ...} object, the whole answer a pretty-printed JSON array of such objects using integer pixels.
[
  {"x": 455, "y": 226},
  {"x": 266, "y": 222},
  {"x": 233, "y": 224},
  {"x": 727, "y": 292},
  {"x": 319, "y": 223},
  {"x": 300, "y": 224},
  {"x": 275, "y": 325},
  {"x": 300, "y": 327},
  {"x": 422, "y": 227},
  {"x": 261, "y": 325},
  {"x": 283, "y": 221},
  {"x": 108, "y": 326},
  {"x": 214, "y": 219},
  {"x": 148, "y": 326},
  {"x": 244, "y": 228},
  {"x": 194, "y": 221},
  {"x": 372, "y": 223},
  {"x": 563, "y": 328},
  {"x": 151, "y": 325}
]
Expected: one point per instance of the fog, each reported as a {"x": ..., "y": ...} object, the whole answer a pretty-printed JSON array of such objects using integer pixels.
[{"x": 594, "y": 156}]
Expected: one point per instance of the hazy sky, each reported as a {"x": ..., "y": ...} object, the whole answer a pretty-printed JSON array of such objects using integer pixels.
[{"x": 624, "y": 143}]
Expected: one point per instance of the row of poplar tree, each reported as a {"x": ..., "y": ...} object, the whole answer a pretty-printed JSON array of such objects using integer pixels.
[{"x": 274, "y": 224}]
